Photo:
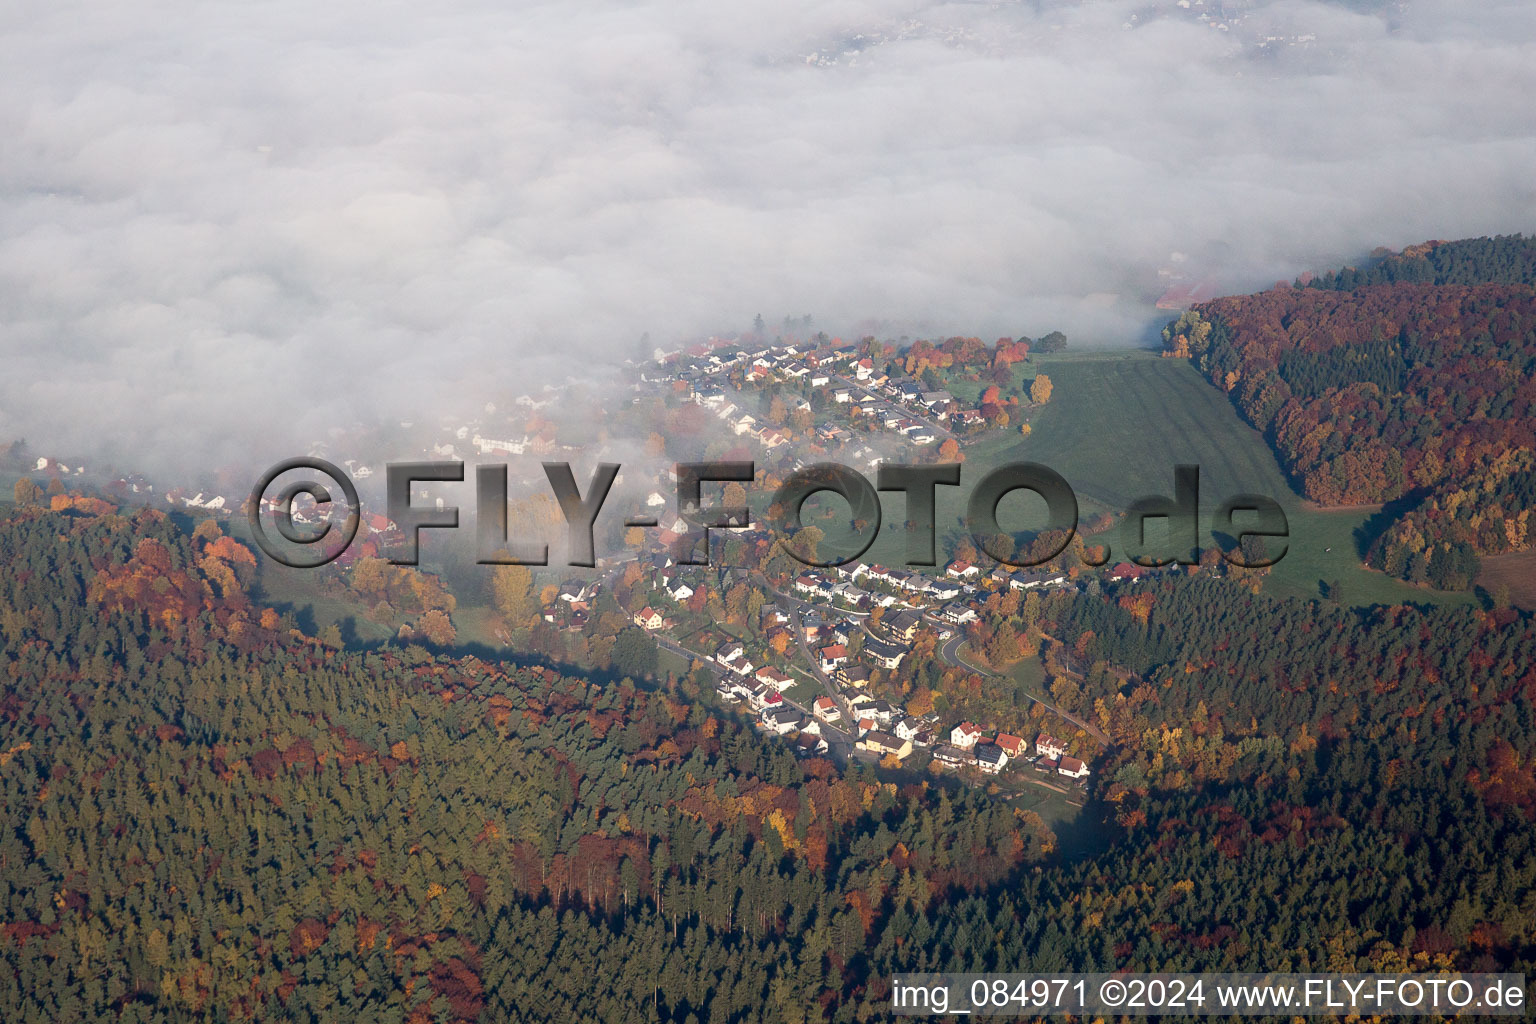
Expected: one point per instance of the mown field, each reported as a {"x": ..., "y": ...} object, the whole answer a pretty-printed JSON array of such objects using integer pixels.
[{"x": 1118, "y": 423}]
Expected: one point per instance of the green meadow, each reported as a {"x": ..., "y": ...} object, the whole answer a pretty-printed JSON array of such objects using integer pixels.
[
  {"x": 1116, "y": 426},
  {"x": 1118, "y": 423}
]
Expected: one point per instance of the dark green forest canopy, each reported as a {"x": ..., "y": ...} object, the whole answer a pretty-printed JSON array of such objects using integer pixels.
[
  {"x": 208, "y": 815},
  {"x": 1502, "y": 259}
]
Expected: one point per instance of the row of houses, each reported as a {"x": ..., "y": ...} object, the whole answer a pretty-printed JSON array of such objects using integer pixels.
[
  {"x": 763, "y": 693},
  {"x": 842, "y": 581},
  {"x": 968, "y": 747},
  {"x": 869, "y": 393}
]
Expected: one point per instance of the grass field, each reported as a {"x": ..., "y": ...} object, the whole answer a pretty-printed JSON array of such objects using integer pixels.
[
  {"x": 1116, "y": 426},
  {"x": 1030, "y": 673},
  {"x": 1515, "y": 572}
]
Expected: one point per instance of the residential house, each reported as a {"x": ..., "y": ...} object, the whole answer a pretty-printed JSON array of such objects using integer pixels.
[
  {"x": 831, "y": 657},
  {"x": 886, "y": 655},
  {"x": 1126, "y": 572},
  {"x": 883, "y": 743},
  {"x": 944, "y": 590},
  {"x": 965, "y": 735},
  {"x": 1072, "y": 768},
  {"x": 903, "y": 625},
  {"x": 853, "y": 675},
  {"x": 809, "y": 744},
  {"x": 770, "y": 676},
  {"x": 1049, "y": 746},
  {"x": 990, "y": 758},
  {"x": 1011, "y": 745},
  {"x": 959, "y": 614},
  {"x": 1028, "y": 580},
  {"x": 782, "y": 720},
  {"x": 954, "y": 757}
]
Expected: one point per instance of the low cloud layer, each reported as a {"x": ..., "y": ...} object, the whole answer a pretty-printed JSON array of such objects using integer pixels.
[{"x": 225, "y": 227}]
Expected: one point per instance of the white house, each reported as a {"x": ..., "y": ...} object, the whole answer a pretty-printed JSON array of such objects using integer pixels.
[
  {"x": 990, "y": 758},
  {"x": 1072, "y": 768},
  {"x": 965, "y": 735},
  {"x": 782, "y": 720},
  {"x": 832, "y": 656},
  {"x": 770, "y": 676},
  {"x": 1049, "y": 746}
]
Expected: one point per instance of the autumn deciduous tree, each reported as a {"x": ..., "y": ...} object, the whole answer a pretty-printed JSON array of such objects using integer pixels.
[
  {"x": 512, "y": 595},
  {"x": 1040, "y": 390},
  {"x": 949, "y": 451},
  {"x": 27, "y": 492},
  {"x": 437, "y": 628}
]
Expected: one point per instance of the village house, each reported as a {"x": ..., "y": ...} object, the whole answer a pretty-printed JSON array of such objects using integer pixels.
[
  {"x": 1049, "y": 746},
  {"x": 574, "y": 590},
  {"x": 903, "y": 625},
  {"x": 959, "y": 614},
  {"x": 953, "y": 757},
  {"x": 990, "y": 758},
  {"x": 1029, "y": 580},
  {"x": 648, "y": 618},
  {"x": 809, "y": 744},
  {"x": 883, "y": 743},
  {"x": 764, "y": 697},
  {"x": 831, "y": 657},
  {"x": 886, "y": 655},
  {"x": 1011, "y": 745},
  {"x": 965, "y": 735},
  {"x": 1126, "y": 572},
  {"x": 943, "y": 590},
  {"x": 782, "y": 720},
  {"x": 1072, "y": 768},
  {"x": 856, "y": 676},
  {"x": 770, "y": 676},
  {"x": 825, "y": 708}
]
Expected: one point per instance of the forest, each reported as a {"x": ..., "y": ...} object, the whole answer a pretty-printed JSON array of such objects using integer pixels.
[
  {"x": 210, "y": 815},
  {"x": 1414, "y": 388},
  {"x": 1503, "y": 259}
]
